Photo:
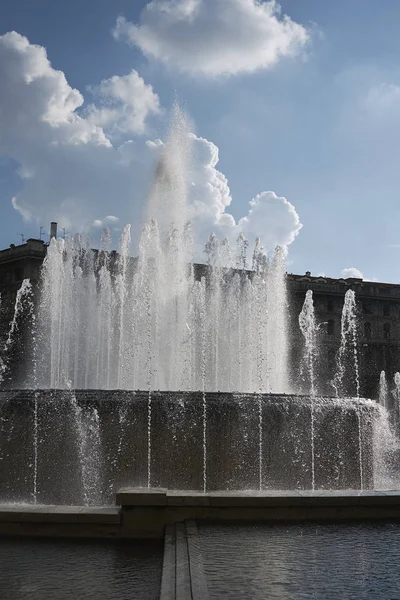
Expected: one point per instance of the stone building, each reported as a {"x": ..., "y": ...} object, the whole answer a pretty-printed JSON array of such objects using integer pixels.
[
  {"x": 16, "y": 264},
  {"x": 378, "y": 307},
  {"x": 378, "y": 314}
]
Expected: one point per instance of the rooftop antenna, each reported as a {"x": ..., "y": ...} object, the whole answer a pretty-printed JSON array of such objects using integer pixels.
[
  {"x": 64, "y": 232},
  {"x": 22, "y": 238},
  {"x": 41, "y": 232}
]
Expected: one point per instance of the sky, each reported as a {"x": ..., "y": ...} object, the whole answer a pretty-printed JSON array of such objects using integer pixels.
[{"x": 294, "y": 111}]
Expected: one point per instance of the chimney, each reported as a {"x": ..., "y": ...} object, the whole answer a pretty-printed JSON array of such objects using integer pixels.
[
  {"x": 308, "y": 273},
  {"x": 53, "y": 230}
]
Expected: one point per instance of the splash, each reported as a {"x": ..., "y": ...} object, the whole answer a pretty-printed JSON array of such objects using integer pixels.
[
  {"x": 347, "y": 378},
  {"x": 383, "y": 390},
  {"x": 308, "y": 328},
  {"x": 159, "y": 321},
  {"x": 23, "y": 310}
]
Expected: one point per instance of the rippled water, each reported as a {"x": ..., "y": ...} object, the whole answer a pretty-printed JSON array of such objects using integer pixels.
[
  {"x": 74, "y": 570},
  {"x": 322, "y": 562}
]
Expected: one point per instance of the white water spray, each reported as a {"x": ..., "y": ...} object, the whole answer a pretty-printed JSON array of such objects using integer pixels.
[
  {"x": 110, "y": 321},
  {"x": 308, "y": 328},
  {"x": 23, "y": 306},
  {"x": 383, "y": 390},
  {"x": 347, "y": 374}
]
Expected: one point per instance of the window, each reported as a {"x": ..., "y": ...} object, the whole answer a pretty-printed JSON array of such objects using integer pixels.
[
  {"x": 18, "y": 275},
  {"x": 330, "y": 306},
  {"x": 331, "y": 327},
  {"x": 386, "y": 331},
  {"x": 367, "y": 330},
  {"x": 386, "y": 310},
  {"x": 367, "y": 308}
]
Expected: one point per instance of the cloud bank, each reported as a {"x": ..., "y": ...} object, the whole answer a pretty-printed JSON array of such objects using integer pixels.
[
  {"x": 79, "y": 162},
  {"x": 214, "y": 37},
  {"x": 351, "y": 272}
]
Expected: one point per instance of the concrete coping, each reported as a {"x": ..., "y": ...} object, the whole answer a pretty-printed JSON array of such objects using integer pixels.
[
  {"x": 145, "y": 513},
  {"x": 142, "y": 497},
  {"x": 44, "y": 513}
]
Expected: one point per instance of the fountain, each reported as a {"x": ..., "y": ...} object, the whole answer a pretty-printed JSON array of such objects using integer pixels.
[{"x": 159, "y": 371}]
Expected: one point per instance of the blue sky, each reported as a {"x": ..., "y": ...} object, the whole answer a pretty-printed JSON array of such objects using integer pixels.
[{"x": 317, "y": 123}]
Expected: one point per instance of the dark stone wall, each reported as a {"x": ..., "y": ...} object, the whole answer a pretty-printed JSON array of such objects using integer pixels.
[{"x": 53, "y": 450}]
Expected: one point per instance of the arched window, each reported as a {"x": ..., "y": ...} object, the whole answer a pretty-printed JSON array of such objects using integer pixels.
[
  {"x": 331, "y": 327},
  {"x": 386, "y": 331},
  {"x": 367, "y": 330},
  {"x": 330, "y": 305}
]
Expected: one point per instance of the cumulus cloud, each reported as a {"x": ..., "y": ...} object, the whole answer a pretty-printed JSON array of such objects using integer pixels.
[
  {"x": 41, "y": 97},
  {"x": 270, "y": 217},
  {"x": 351, "y": 272},
  {"x": 73, "y": 170},
  {"x": 214, "y": 37},
  {"x": 124, "y": 104}
]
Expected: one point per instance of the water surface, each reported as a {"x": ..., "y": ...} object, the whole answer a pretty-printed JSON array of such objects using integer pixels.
[
  {"x": 66, "y": 570},
  {"x": 302, "y": 562}
]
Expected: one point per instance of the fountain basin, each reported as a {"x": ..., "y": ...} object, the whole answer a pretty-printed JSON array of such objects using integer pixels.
[
  {"x": 143, "y": 513},
  {"x": 64, "y": 447}
]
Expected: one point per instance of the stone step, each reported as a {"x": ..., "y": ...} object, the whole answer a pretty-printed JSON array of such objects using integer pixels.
[{"x": 183, "y": 574}]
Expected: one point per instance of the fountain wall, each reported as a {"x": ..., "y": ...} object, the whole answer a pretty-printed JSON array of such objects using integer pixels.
[{"x": 63, "y": 447}]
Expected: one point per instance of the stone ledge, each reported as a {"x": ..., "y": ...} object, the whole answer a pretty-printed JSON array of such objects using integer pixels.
[
  {"x": 146, "y": 513},
  {"x": 187, "y": 498},
  {"x": 136, "y": 498},
  {"x": 60, "y": 530},
  {"x": 58, "y": 514},
  {"x": 141, "y": 497},
  {"x": 248, "y": 501}
]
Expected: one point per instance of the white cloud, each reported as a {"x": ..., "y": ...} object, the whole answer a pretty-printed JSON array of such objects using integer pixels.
[
  {"x": 351, "y": 272},
  {"x": 214, "y": 37},
  {"x": 270, "y": 217},
  {"x": 24, "y": 212},
  {"x": 273, "y": 218},
  {"x": 125, "y": 103},
  {"x": 106, "y": 222},
  {"x": 383, "y": 97},
  {"x": 73, "y": 172},
  {"x": 41, "y": 96}
]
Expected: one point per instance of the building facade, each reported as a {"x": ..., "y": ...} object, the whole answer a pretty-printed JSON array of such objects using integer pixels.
[
  {"x": 16, "y": 264},
  {"x": 378, "y": 307},
  {"x": 378, "y": 331}
]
